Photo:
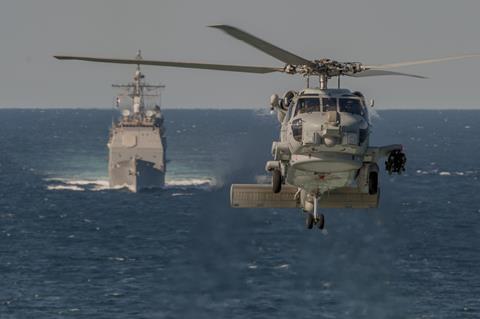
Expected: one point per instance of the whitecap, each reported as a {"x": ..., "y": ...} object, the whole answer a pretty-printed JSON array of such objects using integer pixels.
[
  {"x": 444, "y": 173},
  {"x": 87, "y": 182},
  {"x": 79, "y": 184},
  {"x": 181, "y": 194},
  {"x": 283, "y": 266},
  {"x": 59, "y": 183},
  {"x": 65, "y": 187},
  {"x": 195, "y": 182}
]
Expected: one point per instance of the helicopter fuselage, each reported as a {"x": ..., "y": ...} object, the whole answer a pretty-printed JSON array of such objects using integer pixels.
[{"x": 324, "y": 143}]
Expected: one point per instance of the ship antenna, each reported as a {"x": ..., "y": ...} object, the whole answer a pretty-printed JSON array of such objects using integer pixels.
[
  {"x": 139, "y": 58},
  {"x": 138, "y": 75}
]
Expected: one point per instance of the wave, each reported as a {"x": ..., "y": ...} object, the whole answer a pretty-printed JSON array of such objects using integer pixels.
[
  {"x": 192, "y": 182},
  {"x": 65, "y": 188},
  {"x": 77, "y": 184},
  {"x": 66, "y": 184},
  {"x": 447, "y": 173}
]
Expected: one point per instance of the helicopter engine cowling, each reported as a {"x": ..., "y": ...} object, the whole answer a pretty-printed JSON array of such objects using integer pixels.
[{"x": 287, "y": 99}]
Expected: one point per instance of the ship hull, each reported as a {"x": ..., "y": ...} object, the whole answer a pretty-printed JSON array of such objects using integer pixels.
[
  {"x": 136, "y": 175},
  {"x": 136, "y": 158}
]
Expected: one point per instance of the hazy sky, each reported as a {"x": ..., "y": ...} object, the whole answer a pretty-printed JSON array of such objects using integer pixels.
[{"x": 370, "y": 31}]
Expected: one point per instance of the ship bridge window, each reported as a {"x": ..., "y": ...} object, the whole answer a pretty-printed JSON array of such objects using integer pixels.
[
  {"x": 353, "y": 106},
  {"x": 307, "y": 105},
  {"x": 329, "y": 104}
]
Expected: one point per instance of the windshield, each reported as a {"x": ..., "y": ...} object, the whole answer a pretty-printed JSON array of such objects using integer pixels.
[
  {"x": 329, "y": 104},
  {"x": 352, "y": 106},
  {"x": 308, "y": 105}
]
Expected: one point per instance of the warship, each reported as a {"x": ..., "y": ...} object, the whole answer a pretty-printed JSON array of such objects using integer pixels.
[{"x": 137, "y": 141}]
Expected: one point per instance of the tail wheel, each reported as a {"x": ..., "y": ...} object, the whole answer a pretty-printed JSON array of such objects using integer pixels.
[
  {"x": 276, "y": 181},
  {"x": 373, "y": 183}
]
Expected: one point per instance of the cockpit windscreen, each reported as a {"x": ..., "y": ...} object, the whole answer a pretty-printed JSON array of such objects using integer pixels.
[
  {"x": 308, "y": 105},
  {"x": 352, "y": 106},
  {"x": 329, "y": 104}
]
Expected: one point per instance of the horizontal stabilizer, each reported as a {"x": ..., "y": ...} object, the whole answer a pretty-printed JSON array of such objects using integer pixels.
[{"x": 262, "y": 196}]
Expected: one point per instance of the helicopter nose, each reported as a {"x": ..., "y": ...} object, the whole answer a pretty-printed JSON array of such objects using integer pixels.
[
  {"x": 332, "y": 129},
  {"x": 321, "y": 128},
  {"x": 353, "y": 129}
]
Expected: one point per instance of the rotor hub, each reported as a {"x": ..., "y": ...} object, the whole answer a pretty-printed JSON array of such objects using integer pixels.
[{"x": 325, "y": 67}]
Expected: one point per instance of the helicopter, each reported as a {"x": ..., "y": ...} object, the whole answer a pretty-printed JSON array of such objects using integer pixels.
[{"x": 323, "y": 158}]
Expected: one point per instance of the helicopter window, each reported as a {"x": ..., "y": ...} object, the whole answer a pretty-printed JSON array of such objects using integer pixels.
[
  {"x": 352, "y": 106},
  {"x": 329, "y": 104},
  {"x": 308, "y": 105}
]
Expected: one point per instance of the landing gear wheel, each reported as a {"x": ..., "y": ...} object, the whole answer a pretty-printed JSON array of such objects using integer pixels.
[
  {"x": 320, "y": 221},
  {"x": 310, "y": 221},
  {"x": 373, "y": 183},
  {"x": 276, "y": 181}
]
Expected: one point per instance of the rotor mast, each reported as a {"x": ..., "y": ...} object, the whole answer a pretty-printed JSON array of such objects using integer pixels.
[{"x": 323, "y": 80}]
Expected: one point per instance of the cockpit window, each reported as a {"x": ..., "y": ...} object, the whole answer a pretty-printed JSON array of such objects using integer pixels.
[
  {"x": 352, "y": 106},
  {"x": 329, "y": 104},
  {"x": 308, "y": 105}
]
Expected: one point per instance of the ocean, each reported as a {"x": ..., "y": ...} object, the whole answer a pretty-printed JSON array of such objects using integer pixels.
[{"x": 70, "y": 247}]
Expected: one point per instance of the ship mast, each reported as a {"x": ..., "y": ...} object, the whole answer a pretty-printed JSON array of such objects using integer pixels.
[
  {"x": 137, "y": 94},
  {"x": 137, "y": 87}
]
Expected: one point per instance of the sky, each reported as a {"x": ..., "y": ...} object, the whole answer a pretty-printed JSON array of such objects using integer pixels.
[{"x": 368, "y": 31}]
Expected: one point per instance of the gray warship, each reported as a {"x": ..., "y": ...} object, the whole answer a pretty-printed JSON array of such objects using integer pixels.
[{"x": 137, "y": 141}]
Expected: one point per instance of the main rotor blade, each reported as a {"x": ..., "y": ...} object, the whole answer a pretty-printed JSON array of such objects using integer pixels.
[
  {"x": 263, "y": 46},
  {"x": 205, "y": 66},
  {"x": 382, "y": 73},
  {"x": 408, "y": 63}
]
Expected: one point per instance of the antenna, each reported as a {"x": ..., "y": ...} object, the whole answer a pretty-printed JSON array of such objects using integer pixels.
[
  {"x": 138, "y": 89},
  {"x": 139, "y": 58}
]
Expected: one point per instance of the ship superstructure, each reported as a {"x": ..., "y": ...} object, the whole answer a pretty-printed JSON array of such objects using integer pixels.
[{"x": 137, "y": 140}]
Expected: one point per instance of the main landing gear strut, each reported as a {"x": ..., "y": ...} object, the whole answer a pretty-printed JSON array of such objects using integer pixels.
[{"x": 315, "y": 218}]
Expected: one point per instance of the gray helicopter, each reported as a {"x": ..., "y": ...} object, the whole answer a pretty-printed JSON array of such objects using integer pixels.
[{"x": 323, "y": 158}]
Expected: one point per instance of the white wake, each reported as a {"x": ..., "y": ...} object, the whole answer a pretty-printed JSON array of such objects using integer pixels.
[{"x": 79, "y": 185}]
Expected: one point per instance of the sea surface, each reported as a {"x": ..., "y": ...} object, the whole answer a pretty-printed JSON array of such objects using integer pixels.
[{"x": 70, "y": 247}]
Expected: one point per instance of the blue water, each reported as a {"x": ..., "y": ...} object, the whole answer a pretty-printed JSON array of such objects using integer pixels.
[{"x": 71, "y": 247}]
